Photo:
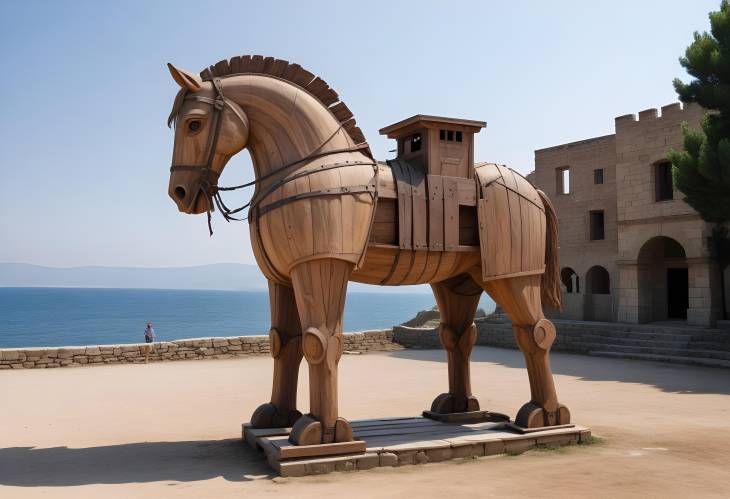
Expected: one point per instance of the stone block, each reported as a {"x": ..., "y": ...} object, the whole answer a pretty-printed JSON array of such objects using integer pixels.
[
  {"x": 468, "y": 450},
  {"x": 388, "y": 459},
  {"x": 494, "y": 448},
  {"x": 93, "y": 351},
  {"x": 368, "y": 461},
  {"x": 10, "y": 355},
  {"x": 436, "y": 455},
  {"x": 514, "y": 447},
  {"x": 345, "y": 465},
  {"x": 406, "y": 458}
]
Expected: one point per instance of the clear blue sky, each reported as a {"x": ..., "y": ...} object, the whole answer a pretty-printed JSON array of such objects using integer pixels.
[{"x": 84, "y": 151}]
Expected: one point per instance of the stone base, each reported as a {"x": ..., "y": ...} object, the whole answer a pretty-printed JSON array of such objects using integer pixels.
[{"x": 410, "y": 440}]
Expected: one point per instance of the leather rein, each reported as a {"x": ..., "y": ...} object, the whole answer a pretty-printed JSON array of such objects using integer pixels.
[{"x": 208, "y": 179}]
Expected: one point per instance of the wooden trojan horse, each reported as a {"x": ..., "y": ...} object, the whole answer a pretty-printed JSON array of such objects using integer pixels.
[{"x": 324, "y": 212}]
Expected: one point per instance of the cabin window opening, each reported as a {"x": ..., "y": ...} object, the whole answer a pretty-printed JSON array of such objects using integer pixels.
[
  {"x": 450, "y": 135},
  {"x": 562, "y": 180},
  {"x": 597, "y": 232},
  {"x": 459, "y": 137},
  {"x": 442, "y": 134},
  {"x": 416, "y": 142},
  {"x": 663, "y": 182},
  {"x": 598, "y": 176}
]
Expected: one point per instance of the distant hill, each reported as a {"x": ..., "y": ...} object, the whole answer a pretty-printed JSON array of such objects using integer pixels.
[{"x": 224, "y": 276}]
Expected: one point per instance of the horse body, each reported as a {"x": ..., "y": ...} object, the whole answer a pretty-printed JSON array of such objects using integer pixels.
[{"x": 310, "y": 222}]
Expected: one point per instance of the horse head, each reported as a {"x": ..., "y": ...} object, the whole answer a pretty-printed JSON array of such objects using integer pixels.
[{"x": 209, "y": 130}]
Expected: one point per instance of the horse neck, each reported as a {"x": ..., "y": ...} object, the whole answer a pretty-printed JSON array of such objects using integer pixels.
[{"x": 287, "y": 124}]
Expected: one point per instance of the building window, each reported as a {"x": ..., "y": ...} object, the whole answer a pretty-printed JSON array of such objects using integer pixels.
[
  {"x": 442, "y": 134},
  {"x": 562, "y": 180},
  {"x": 597, "y": 225},
  {"x": 663, "y": 182},
  {"x": 598, "y": 176},
  {"x": 459, "y": 137},
  {"x": 416, "y": 142}
]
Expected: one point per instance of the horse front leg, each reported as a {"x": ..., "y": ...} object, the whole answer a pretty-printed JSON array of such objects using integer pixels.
[
  {"x": 285, "y": 339},
  {"x": 320, "y": 287}
]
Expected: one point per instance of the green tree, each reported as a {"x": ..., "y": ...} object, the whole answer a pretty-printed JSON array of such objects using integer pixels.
[{"x": 701, "y": 170}]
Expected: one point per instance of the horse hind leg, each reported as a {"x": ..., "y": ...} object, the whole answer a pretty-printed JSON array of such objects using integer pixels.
[
  {"x": 457, "y": 299},
  {"x": 520, "y": 299},
  {"x": 285, "y": 340}
]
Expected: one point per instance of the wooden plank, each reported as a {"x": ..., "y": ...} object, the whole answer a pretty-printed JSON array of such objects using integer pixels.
[
  {"x": 494, "y": 232},
  {"x": 515, "y": 221},
  {"x": 402, "y": 176},
  {"x": 419, "y": 198},
  {"x": 341, "y": 112},
  {"x": 284, "y": 449},
  {"x": 386, "y": 184},
  {"x": 435, "y": 213},
  {"x": 451, "y": 213},
  {"x": 467, "y": 192},
  {"x": 527, "y": 210},
  {"x": 467, "y": 417},
  {"x": 507, "y": 177}
]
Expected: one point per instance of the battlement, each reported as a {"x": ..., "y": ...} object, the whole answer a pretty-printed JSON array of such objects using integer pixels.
[{"x": 670, "y": 111}]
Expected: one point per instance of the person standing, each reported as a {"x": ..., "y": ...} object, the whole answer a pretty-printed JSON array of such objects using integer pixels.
[{"x": 149, "y": 337}]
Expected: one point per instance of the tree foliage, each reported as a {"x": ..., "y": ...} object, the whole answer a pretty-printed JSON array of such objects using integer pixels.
[{"x": 702, "y": 169}]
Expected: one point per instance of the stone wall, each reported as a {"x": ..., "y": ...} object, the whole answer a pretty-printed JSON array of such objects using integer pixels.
[{"x": 197, "y": 348}]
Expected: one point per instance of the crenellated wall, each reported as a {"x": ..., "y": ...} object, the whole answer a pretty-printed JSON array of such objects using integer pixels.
[{"x": 197, "y": 348}]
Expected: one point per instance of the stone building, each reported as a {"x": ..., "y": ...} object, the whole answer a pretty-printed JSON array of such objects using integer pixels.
[{"x": 631, "y": 250}]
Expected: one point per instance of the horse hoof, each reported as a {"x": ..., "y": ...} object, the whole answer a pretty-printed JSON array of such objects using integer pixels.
[
  {"x": 308, "y": 431},
  {"x": 447, "y": 403},
  {"x": 534, "y": 416},
  {"x": 269, "y": 416}
]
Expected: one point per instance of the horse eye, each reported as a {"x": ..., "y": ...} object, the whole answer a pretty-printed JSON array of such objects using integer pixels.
[{"x": 194, "y": 125}]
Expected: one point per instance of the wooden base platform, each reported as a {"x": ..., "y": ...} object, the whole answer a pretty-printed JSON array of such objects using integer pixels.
[
  {"x": 470, "y": 417},
  {"x": 403, "y": 441}
]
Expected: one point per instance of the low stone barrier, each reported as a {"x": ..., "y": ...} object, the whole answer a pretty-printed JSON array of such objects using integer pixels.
[{"x": 196, "y": 348}]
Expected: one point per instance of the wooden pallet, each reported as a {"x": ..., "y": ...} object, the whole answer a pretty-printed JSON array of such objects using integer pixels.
[{"x": 400, "y": 441}]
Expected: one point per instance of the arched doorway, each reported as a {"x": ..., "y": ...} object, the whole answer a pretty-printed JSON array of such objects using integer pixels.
[
  {"x": 663, "y": 280},
  {"x": 571, "y": 283},
  {"x": 597, "y": 304}
]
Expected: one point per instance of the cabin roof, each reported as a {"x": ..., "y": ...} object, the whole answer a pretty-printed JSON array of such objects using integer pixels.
[{"x": 431, "y": 122}]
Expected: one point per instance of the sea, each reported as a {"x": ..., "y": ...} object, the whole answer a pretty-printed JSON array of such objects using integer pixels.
[{"x": 50, "y": 317}]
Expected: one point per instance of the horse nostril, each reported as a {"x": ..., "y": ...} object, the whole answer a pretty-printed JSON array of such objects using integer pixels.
[{"x": 180, "y": 192}]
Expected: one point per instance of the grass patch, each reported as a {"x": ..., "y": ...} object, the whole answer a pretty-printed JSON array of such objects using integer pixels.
[
  {"x": 557, "y": 449},
  {"x": 592, "y": 440}
]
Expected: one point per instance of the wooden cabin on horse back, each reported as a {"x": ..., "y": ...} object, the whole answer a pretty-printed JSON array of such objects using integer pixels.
[{"x": 324, "y": 212}]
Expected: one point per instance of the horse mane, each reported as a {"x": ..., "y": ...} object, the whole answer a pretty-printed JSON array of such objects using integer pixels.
[{"x": 293, "y": 73}]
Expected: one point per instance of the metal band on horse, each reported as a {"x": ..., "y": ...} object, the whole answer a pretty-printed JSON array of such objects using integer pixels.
[{"x": 208, "y": 181}]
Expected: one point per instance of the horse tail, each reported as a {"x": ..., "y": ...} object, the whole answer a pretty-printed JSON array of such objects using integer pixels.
[{"x": 550, "y": 281}]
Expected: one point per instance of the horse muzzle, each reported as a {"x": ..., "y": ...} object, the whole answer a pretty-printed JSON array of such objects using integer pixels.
[{"x": 189, "y": 198}]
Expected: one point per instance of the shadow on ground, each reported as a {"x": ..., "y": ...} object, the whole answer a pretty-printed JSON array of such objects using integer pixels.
[
  {"x": 131, "y": 463},
  {"x": 673, "y": 378}
]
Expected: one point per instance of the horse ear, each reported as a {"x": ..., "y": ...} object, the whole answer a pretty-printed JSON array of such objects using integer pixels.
[{"x": 184, "y": 79}]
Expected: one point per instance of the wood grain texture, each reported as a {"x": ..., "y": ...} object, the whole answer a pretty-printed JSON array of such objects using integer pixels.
[{"x": 324, "y": 212}]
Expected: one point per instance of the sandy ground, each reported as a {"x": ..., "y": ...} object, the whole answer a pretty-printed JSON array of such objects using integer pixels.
[{"x": 172, "y": 429}]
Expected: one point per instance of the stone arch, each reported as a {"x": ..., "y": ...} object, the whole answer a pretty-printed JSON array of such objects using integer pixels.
[
  {"x": 663, "y": 280},
  {"x": 597, "y": 303},
  {"x": 598, "y": 281},
  {"x": 570, "y": 280}
]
